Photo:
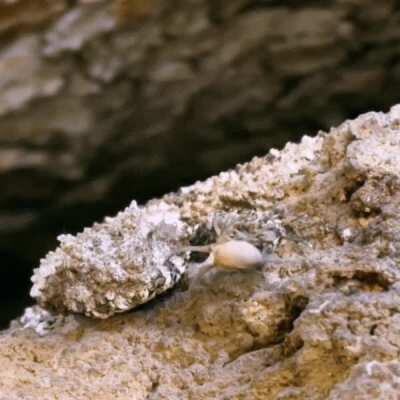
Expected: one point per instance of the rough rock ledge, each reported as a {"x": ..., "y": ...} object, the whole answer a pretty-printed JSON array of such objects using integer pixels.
[{"x": 320, "y": 320}]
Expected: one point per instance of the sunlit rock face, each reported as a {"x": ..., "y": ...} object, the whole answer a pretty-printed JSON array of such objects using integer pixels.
[{"x": 319, "y": 320}]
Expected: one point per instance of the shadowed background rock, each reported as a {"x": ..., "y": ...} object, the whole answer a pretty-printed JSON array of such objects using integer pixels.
[{"x": 105, "y": 101}]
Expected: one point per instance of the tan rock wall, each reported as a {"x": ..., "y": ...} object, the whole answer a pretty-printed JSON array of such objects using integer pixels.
[{"x": 320, "y": 319}]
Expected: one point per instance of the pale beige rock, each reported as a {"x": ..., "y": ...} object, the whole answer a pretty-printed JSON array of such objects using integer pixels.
[{"x": 320, "y": 320}]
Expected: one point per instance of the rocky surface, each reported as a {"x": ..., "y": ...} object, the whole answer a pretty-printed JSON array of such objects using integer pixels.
[
  {"x": 100, "y": 100},
  {"x": 320, "y": 320},
  {"x": 114, "y": 266}
]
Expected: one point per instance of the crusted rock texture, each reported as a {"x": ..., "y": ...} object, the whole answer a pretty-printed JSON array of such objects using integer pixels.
[
  {"x": 100, "y": 99},
  {"x": 114, "y": 266},
  {"x": 320, "y": 320}
]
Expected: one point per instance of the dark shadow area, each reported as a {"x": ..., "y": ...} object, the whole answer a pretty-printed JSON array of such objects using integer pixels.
[{"x": 14, "y": 287}]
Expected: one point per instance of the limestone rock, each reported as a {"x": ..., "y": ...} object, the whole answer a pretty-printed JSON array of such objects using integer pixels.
[{"x": 320, "y": 320}]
